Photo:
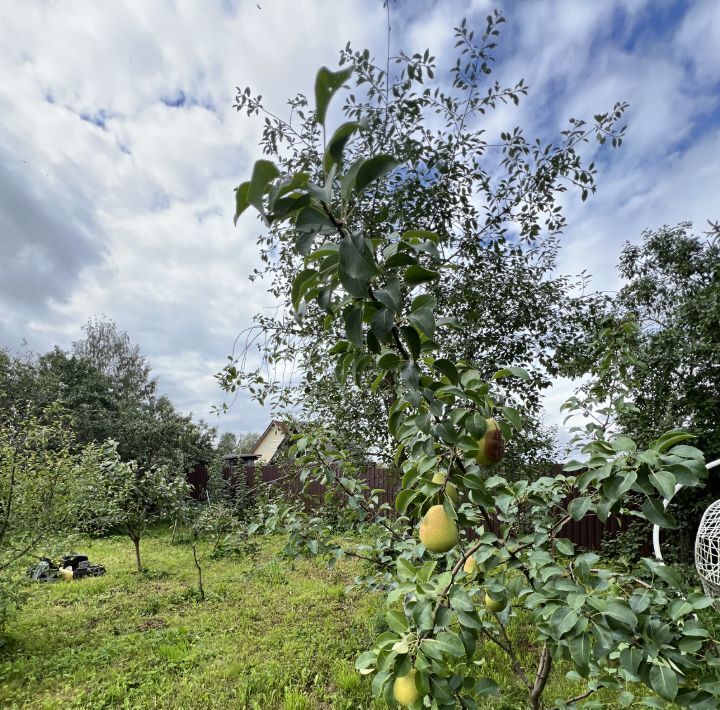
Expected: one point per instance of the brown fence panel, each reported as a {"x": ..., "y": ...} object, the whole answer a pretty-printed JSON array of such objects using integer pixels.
[
  {"x": 198, "y": 480},
  {"x": 588, "y": 533}
]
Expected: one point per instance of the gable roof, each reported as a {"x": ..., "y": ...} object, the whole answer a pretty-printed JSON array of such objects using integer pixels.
[{"x": 271, "y": 440}]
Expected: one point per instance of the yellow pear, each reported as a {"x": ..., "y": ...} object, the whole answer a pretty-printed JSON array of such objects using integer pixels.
[
  {"x": 494, "y": 606},
  {"x": 450, "y": 489},
  {"x": 470, "y": 567},
  {"x": 438, "y": 532},
  {"x": 404, "y": 689},
  {"x": 65, "y": 573},
  {"x": 491, "y": 445}
]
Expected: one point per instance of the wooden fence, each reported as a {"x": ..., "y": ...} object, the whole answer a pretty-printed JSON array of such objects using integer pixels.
[{"x": 588, "y": 533}]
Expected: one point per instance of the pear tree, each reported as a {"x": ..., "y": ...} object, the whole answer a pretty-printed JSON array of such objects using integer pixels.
[{"x": 459, "y": 561}]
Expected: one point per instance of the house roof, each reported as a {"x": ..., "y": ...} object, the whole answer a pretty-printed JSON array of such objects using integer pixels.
[{"x": 270, "y": 441}]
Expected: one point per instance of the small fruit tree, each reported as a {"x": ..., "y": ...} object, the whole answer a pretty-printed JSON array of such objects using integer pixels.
[
  {"x": 117, "y": 494},
  {"x": 38, "y": 462},
  {"x": 449, "y": 592}
]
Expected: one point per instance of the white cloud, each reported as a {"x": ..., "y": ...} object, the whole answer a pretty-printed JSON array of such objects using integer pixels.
[
  {"x": 698, "y": 40},
  {"x": 114, "y": 202},
  {"x": 145, "y": 198}
]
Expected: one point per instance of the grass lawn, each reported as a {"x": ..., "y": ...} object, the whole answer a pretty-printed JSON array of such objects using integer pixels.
[{"x": 270, "y": 635}]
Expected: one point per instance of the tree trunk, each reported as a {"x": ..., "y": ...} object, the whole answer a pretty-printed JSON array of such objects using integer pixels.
[
  {"x": 199, "y": 571},
  {"x": 541, "y": 678},
  {"x": 136, "y": 542}
]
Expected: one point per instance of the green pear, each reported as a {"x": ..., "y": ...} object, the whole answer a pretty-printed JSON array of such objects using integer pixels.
[
  {"x": 404, "y": 689},
  {"x": 438, "y": 532},
  {"x": 471, "y": 567},
  {"x": 494, "y": 606},
  {"x": 450, "y": 489}
]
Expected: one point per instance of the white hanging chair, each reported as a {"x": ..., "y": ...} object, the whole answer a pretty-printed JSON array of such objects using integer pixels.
[
  {"x": 707, "y": 545},
  {"x": 707, "y": 550}
]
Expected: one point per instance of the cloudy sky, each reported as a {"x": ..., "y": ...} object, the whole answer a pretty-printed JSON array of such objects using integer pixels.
[{"x": 119, "y": 148}]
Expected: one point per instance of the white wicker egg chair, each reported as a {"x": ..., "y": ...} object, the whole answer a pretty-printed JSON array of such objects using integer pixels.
[{"x": 707, "y": 545}]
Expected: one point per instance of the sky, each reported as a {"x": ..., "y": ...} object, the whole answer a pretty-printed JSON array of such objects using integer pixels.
[{"x": 120, "y": 149}]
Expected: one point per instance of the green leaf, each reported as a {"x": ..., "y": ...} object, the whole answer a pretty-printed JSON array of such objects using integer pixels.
[
  {"x": 312, "y": 220},
  {"x": 424, "y": 320},
  {"x": 411, "y": 337},
  {"x": 381, "y": 324},
  {"x": 664, "y": 483},
  {"x": 410, "y": 372},
  {"x": 564, "y": 546},
  {"x": 402, "y": 500},
  {"x": 421, "y": 235},
  {"x": 405, "y": 569},
  {"x": 621, "y": 614},
  {"x": 614, "y": 487},
  {"x": 373, "y": 169},
  {"x": 241, "y": 200},
  {"x": 390, "y": 296},
  {"x": 326, "y": 84},
  {"x": 263, "y": 172},
  {"x": 440, "y": 690},
  {"x": 347, "y": 181},
  {"x": 446, "y": 642},
  {"x": 301, "y": 283},
  {"x": 424, "y": 300},
  {"x": 630, "y": 659},
  {"x": 512, "y": 372},
  {"x": 625, "y": 698},
  {"x": 654, "y": 511},
  {"x": 460, "y": 601},
  {"x": 447, "y": 368},
  {"x": 578, "y": 508},
  {"x": 668, "y": 574},
  {"x": 470, "y": 620},
  {"x": 486, "y": 686},
  {"x": 353, "y": 317},
  {"x": 563, "y": 619},
  {"x": 366, "y": 662},
  {"x": 669, "y": 439},
  {"x": 664, "y": 682},
  {"x": 623, "y": 443},
  {"x": 512, "y": 416},
  {"x": 688, "y": 452},
  {"x": 711, "y": 684},
  {"x": 640, "y": 600},
  {"x": 337, "y": 143},
  {"x": 417, "y": 274},
  {"x": 679, "y": 608},
  {"x": 397, "y": 621},
  {"x": 580, "y": 647},
  {"x": 399, "y": 259},
  {"x": 379, "y": 682},
  {"x": 356, "y": 267},
  {"x": 389, "y": 361}
]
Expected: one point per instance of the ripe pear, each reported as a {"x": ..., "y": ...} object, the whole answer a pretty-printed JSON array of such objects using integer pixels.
[
  {"x": 494, "y": 606},
  {"x": 404, "y": 689},
  {"x": 450, "y": 489},
  {"x": 470, "y": 567},
  {"x": 65, "y": 573},
  {"x": 491, "y": 445},
  {"x": 438, "y": 532}
]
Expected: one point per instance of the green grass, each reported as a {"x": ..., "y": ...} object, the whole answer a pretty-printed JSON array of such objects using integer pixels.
[{"x": 270, "y": 635}]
